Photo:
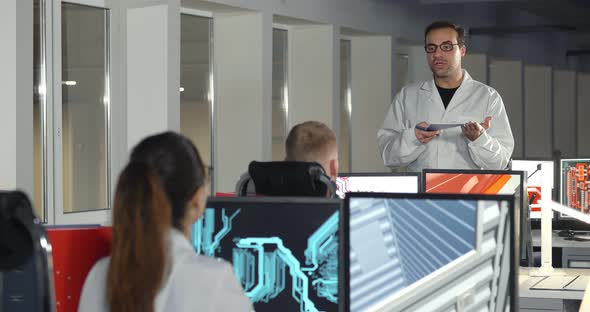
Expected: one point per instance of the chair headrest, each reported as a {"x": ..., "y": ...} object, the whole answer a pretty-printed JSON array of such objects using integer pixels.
[
  {"x": 16, "y": 224},
  {"x": 289, "y": 178}
]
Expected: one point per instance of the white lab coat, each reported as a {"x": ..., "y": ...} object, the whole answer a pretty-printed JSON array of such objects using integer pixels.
[
  {"x": 418, "y": 102},
  {"x": 195, "y": 283}
]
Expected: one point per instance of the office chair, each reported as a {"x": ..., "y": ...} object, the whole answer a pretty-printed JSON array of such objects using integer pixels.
[
  {"x": 286, "y": 178},
  {"x": 26, "y": 282}
]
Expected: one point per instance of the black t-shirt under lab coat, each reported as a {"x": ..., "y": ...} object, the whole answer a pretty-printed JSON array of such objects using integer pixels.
[{"x": 446, "y": 95}]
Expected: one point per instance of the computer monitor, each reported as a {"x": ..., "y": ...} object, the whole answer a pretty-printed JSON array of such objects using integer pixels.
[
  {"x": 406, "y": 182},
  {"x": 574, "y": 191},
  {"x": 429, "y": 252},
  {"x": 284, "y": 251},
  {"x": 501, "y": 182},
  {"x": 540, "y": 182}
]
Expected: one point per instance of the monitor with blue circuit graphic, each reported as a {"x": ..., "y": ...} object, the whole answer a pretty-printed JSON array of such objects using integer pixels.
[
  {"x": 429, "y": 252},
  {"x": 284, "y": 250}
]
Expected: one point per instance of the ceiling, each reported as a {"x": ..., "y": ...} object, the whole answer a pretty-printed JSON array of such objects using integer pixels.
[
  {"x": 557, "y": 15},
  {"x": 566, "y": 13}
]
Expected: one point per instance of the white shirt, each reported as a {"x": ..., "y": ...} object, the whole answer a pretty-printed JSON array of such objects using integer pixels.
[
  {"x": 418, "y": 102},
  {"x": 195, "y": 283}
]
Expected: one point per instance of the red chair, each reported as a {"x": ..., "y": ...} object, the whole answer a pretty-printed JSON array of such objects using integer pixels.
[
  {"x": 75, "y": 251},
  {"x": 223, "y": 194}
]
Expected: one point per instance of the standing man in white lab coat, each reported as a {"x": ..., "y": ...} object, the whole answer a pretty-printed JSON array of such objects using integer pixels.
[{"x": 483, "y": 138}]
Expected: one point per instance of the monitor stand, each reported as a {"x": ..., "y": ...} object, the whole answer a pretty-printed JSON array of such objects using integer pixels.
[
  {"x": 581, "y": 236},
  {"x": 565, "y": 233}
]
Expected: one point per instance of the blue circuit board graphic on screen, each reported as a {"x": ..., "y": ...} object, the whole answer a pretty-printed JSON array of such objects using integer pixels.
[
  {"x": 267, "y": 266},
  {"x": 205, "y": 240}
]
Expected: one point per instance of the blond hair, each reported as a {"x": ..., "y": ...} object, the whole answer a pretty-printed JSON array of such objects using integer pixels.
[{"x": 309, "y": 141}]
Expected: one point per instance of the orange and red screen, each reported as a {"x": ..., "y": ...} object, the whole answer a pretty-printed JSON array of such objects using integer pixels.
[{"x": 471, "y": 183}]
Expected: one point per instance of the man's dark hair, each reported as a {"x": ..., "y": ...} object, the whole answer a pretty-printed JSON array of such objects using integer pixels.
[{"x": 445, "y": 24}]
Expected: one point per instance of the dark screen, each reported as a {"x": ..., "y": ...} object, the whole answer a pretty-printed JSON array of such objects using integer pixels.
[{"x": 284, "y": 251}]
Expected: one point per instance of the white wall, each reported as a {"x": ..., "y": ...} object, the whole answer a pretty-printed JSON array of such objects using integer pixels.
[
  {"x": 506, "y": 78},
  {"x": 153, "y": 62},
  {"x": 16, "y": 87},
  {"x": 537, "y": 108},
  {"x": 370, "y": 97},
  {"x": 400, "y": 70},
  {"x": 243, "y": 71},
  {"x": 312, "y": 77},
  {"x": 564, "y": 112},
  {"x": 374, "y": 16},
  {"x": 477, "y": 66},
  {"x": 583, "y": 113},
  {"x": 418, "y": 69}
]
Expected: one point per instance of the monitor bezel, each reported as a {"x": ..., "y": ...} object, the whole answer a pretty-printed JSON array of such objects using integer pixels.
[
  {"x": 344, "y": 261},
  {"x": 377, "y": 174},
  {"x": 477, "y": 171},
  {"x": 418, "y": 175},
  {"x": 270, "y": 199},
  {"x": 564, "y": 222},
  {"x": 523, "y": 185}
]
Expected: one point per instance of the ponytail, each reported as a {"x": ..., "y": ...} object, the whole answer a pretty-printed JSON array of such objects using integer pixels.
[{"x": 141, "y": 223}]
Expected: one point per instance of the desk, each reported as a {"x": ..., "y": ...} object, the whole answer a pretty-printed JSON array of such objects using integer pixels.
[
  {"x": 558, "y": 241},
  {"x": 574, "y": 254},
  {"x": 548, "y": 300},
  {"x": 586, "y": 300}
]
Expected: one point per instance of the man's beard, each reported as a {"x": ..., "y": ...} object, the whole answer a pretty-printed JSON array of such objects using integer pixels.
[{"x": 442, "y": 74}]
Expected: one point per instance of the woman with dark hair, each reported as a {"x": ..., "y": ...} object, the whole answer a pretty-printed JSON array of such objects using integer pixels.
[{"x": 153, "y": 267}]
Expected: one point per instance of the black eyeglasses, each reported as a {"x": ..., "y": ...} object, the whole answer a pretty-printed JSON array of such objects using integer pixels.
[{"x": 446, "y": 46}]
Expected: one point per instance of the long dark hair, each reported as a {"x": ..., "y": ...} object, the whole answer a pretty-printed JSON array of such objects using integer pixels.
[{"x": 163, "y": 174}]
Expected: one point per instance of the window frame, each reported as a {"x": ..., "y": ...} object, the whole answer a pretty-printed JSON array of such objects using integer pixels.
[
  {"x": 44, "y": 92},
  {"x": 213, "y": 103},
  {"x": 348, "y": 100},
  {"x": 98, "y": 216},
  {"x": 286, "y": 86}
]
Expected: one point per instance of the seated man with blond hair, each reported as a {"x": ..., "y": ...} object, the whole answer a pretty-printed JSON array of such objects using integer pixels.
[
  {"x": 313, "y": 141},
  {"x": 310, "y": 167}
]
